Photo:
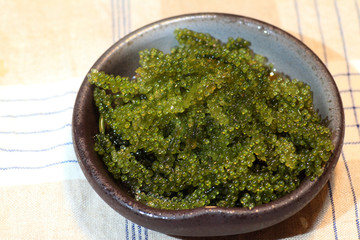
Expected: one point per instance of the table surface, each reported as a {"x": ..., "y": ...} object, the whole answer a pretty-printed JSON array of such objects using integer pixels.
[{"x": 47, "y": 47}]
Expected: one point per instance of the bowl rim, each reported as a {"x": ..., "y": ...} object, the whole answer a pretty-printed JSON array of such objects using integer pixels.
[{"x": 128, "y": 202}]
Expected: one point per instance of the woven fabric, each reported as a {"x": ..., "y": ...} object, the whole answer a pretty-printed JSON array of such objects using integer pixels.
[{"x": 46, "y": 49}]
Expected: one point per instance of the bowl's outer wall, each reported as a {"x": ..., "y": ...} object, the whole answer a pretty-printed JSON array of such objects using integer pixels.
[{"x": 286, "y": 53}]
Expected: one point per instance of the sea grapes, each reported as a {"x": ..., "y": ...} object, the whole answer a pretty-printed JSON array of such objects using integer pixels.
[{"x": 209, "y": 123}]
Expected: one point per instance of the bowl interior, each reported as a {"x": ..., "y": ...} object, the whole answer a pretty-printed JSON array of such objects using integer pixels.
[{"x": 286, "y": 53}]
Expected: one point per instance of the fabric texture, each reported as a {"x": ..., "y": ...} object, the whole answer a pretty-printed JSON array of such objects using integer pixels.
[{"x": 46, "y": 49}]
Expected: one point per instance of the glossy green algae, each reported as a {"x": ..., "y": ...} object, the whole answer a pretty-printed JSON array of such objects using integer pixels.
[{"x": 210, "y": 123}]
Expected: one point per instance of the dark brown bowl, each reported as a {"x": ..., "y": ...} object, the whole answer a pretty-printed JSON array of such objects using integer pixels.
[{"x": 287, "y": 53}]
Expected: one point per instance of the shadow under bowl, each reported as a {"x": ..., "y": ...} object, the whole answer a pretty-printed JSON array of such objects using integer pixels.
[{"x": 288, "y": 55}]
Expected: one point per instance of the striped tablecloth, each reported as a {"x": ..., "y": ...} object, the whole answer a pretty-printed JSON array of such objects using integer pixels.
[{"x": 47, "y": 47}]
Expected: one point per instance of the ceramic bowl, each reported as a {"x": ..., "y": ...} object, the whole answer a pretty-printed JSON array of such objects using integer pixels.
[{"x": 288, "y": 54}]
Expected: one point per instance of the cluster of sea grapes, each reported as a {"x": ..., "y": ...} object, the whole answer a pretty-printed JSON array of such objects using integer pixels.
[{"x": 210, "y": 123}]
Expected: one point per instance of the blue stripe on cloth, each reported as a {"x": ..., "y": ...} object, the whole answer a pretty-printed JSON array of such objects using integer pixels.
[
  {"x": 146, "y": 234},
  {"x": 128, "y": 9},
  {"x": 124, "y": 16},
  {"x": 332, "y": 210},
  {"x": 321, "y": 31},
  {"x": 116, "y": 20},
  {"x": 350, "y": 90},
  {"x": 351, "y": 143},
  {"x": 352, "y": 108},
  {"x": 125, "y": 12},
  {"x": 298, "y": 19},
  {"x": 126, "y": 229},
  {"x": 38, "y": 99},
  {"x": 37, "y": 131},
  {"x": 118, "y": 25},
  {"x": 139, "y": 231},
  {"x": 120, "y": 18},
  {"x": 37, "y": 114},
  {"x": 346, "y": 74},
  {"x": 113, "y": 21},
  {"x": 353, "y": 194},
  {"x": 346, "y": 60},
  {"x": 133, "y": 235},
  {"x": 38, "y": 167},
  {"x": 36, "y": 150},
  {"x": 351, "y": 125}
]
